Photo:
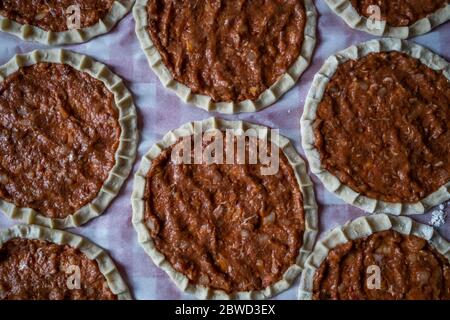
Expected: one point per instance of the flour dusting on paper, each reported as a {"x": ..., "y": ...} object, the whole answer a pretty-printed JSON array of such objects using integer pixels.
[{"x": 439, "y": 216}]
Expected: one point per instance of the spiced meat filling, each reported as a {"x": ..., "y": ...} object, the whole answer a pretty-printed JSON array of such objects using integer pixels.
[
  {"x": 384, "y": 266},
  {"x": 55, "y": 15},
  {"x": 228, "y": 50},
  {"x": 39, "y": 270},
  {"x": 398, "y": 13},
  {"x": 59, "y": 132},
  {"x": 225, "y": 226},
  {"x": 382, "y": 127}
]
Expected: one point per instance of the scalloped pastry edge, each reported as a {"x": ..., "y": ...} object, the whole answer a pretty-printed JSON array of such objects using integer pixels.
[
  {"x": 361, "y": 228},
  {"x": 126, "y": 151},
  {"x": 267, "y": 98},
  {"x": 182, "y": 282},
  {"x": 93, "y": 252},
  {"x": 345, "y": 10},
  {"x": 27, "y": 32},
  {"x": 313, "y": 100}
]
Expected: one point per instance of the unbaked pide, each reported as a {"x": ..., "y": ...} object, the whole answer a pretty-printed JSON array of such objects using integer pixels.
[
  {"x": 38, "y": 263},
  {"x": 375, "y": 127},
  {"x": 57, "y": 22},
  {"x": 225, "y": 230},
  {"x": 379, "y": 257},
  {"x": 227, "y": 56},
  {"x": 392, "y": 18},
  {"x": 68, "y": 138}
]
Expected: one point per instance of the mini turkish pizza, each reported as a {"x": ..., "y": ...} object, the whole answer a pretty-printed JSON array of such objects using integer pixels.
[
  {"x": 51, "y": 15},
  {"x": 59, "y": 134},
  {"x": 384, "y": 130},
  {"x": 33, "y": 269},
  {"x": 379, "y": 257},
  {"x": 60, "y": 140},
  {"x": 393, "y": 18},
  {"x": 399, "y": 13},
  {"x": 225, "y": 229},
  {"x": 381, "y": 127},
  {"x": 409, "y": 269},
  {"x": 61, "y": 21},
  {"x": 36, "y": 265},
  {"x": 199, "y": 41},
  {"x": 229, "y": 51}
]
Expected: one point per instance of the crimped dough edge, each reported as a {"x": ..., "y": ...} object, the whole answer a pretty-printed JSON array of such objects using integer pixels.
[
  {"x": 32, "y": 33},
  {"x": 126, "y": 151},
  {"x": 361, "y": 228},
  {"x": 267, "y": 98},
  {"x": 313, "y": 100},
  {"x": 106, "y": 265},
  {"x": 182, "y": 282},
  {"x": 345, "y": 10}
]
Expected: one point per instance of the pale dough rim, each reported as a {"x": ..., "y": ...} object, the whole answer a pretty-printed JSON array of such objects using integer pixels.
[
  {"x": 93, "y": 252},
  {"x": 126, "y": 151},
  {"x": 182, "y": 282},
  {"x": 267, "y": 98},
  {"x": 361, "y": 228},
  {"x": 33, "y": 33},
  {"x": 314, "y": 98},
  {"x": 345, "y": 10}
]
